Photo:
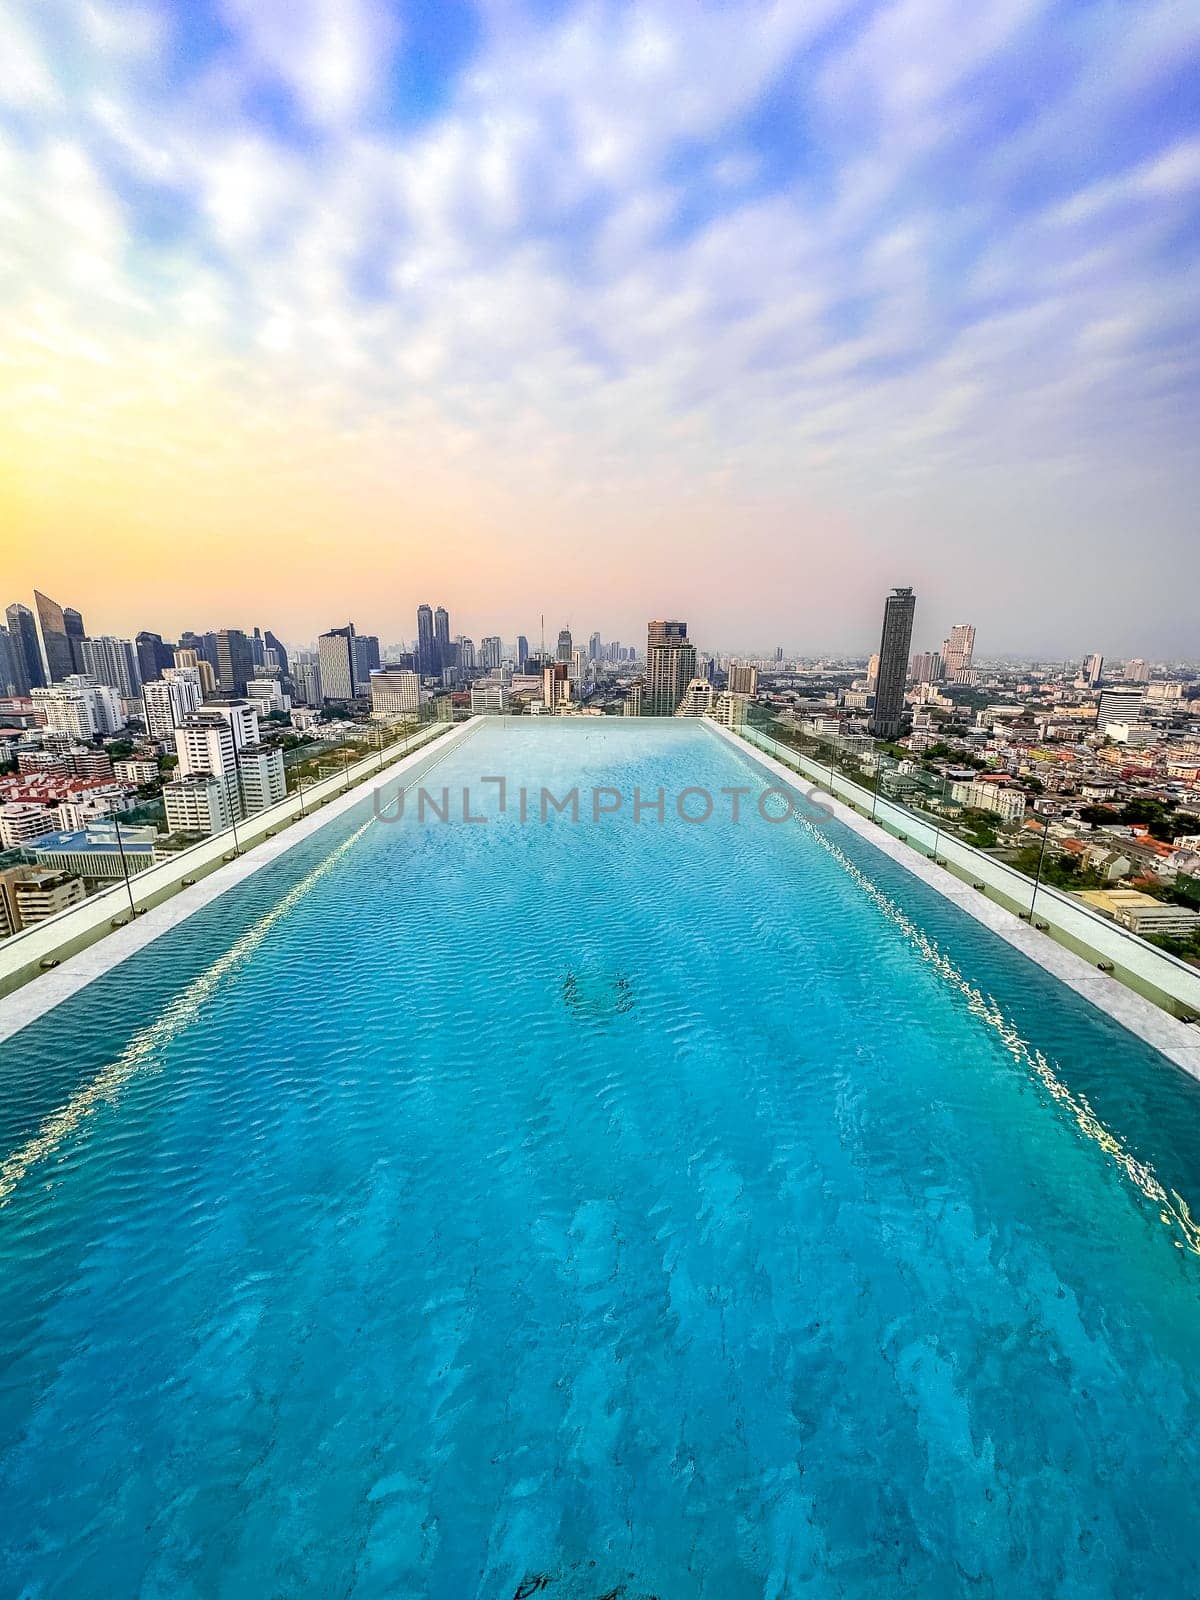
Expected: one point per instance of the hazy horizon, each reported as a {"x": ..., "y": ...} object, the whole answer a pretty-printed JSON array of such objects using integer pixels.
[{"x": 741, "y": 313}]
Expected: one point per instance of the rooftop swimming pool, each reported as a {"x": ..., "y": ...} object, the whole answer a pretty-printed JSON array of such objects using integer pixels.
[{"x": 623, "y": 1206}]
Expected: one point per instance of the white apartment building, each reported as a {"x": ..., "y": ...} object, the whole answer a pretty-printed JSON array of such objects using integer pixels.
[
  {"x": 169, "y": 699},
  {"x": 729, "y": 709},
  {"x": 489, "y": 697},
  {"x": 21, "y": 820},
  {"x": 198, "y": 803},
  {"x": 742, "y": 679},
  {"x": 697, "y": 699},
  {"x": 394, "y": 691},
  {"x": 266, "y": 695},
  {"x": 138, "y": 772},
  {"x": 1007, "y": 804},
  {"x": 80, "y": 707},
  {"x": 261, "y": 777}
]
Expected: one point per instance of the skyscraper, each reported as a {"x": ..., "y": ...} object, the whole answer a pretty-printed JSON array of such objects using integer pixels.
[
  {"x": 958, "y": 650},
  {"x": 898, "y": 611},
  {"x": 235, "y": 664},
  {"x": 281, "y": 655},
  {"x": 670, "y": 667},
  {"x": 73, "y": 623},
  {"x": 114, "y": 662},
  {"x": 1093, "y": 669},
  {"x": 441, "y": 638},
  {"x": 522, "y": 652},
  {"x": 428, "y": 664},
  {"x": 335, "y": 654},
  {"x": 153, "y": 655},
  {"x": 8, "y": 682},
  {"x": 57, "y": 652},
  {"x": 565, "y": 645},
  {"x": 594, "y": 648},
  {"x": 491, "y": 652},
  {"x": 27, "y": 667}
]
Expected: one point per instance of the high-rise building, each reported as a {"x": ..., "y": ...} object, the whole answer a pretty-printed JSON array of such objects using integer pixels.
[
  {"x": 927, "y": 667},
  {"x": 235, "y": 663},
  {"x": 26, "y": 656},
  {"x": 73, "y": 622},
  {"x": 1137, "y": 671},
  {"x": 306, "y": 675},
  {"x": 80, "y": 707},
  {"x": 57, "y": 653},
  {"x": 441, "y": 638},
  {"x": 1093, "y": 669},
  {"x": 1119, "y": 705},
  {"x": 491, "y": 653},
  {"x": 959, "y": 650},
  {"x": 898, "y": 611},
  {"x": 8, "y": 680},
  {"x": 697, "y": 699},
  {"x": 364, "y": 658},
  {"x": 565, "y": 645},
  {"x": 190, "y": 660},
  {"x": 261, "y": 778},
  {"x": 595, "y": 649},
  {"x": 742, "y": 679},
  {"x": 460, "y": 654},
  {"x": 430, "y": 665},
  {"x": 872, "y": 673},
  {"x": 199, "y": 803},
  {"x": 522, "y": 652},
  {"x": 670, "y": 667},
  {"x": 114, "y": 662},
  {"x": 153, "y": 655},
  {"x": 395, "y": 691},
  {"x": 281, "y": 655},
  {"x": 167, "y": 701},
  {"x": 335, "y": 652}
]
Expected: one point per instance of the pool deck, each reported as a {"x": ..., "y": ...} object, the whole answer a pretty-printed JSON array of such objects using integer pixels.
[{"x": 1171, "y": 1037}]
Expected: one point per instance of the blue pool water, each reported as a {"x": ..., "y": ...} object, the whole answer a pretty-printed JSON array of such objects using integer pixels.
[{"x": 657, "y": 1209}]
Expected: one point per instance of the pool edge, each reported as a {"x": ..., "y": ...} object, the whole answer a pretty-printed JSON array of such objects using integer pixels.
[{"x": 1139, "y": 1016}]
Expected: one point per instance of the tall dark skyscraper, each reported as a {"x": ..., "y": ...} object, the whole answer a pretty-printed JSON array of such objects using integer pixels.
[
  {"x": 522, "y": 652},
  {"x": 25, "y": 653},
  {"x": 281, "y": 655},
  {"x": 235, "y": 664},
  {"x": 8, "y": 680},
  {"x": 566, "y": 645},
  {"x": 76, "y": 633},
  {"x": 57, "y": 651},
  {"x": 441, "y": 638},
  {"x": 898, "y": 611},
  {"x": 153, "y": 655},
  {"x": 427, "y": 656}
]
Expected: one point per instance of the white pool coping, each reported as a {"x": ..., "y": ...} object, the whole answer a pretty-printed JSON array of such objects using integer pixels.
[
  {"x": 1141, "y": 1017},
  {"x": 34, "y": 1000}
]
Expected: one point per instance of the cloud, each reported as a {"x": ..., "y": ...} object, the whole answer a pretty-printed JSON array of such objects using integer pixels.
[{"x": 758, "y": 245}]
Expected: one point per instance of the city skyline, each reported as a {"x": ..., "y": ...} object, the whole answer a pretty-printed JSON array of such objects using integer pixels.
[
  {"x": 398, "y": 639},
  {"x": 775, "y": 306}
]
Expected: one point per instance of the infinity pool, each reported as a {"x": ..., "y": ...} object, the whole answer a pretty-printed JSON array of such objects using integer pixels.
[{"x": 594, "y": 1208}]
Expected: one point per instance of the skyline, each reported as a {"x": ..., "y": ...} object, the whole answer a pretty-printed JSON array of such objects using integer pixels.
[
  {"x": 397, "y": 638},
  {"x": 756, "y": 311}
]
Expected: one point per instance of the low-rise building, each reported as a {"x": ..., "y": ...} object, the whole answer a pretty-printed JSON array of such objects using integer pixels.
[
  {"x": 29, "y": 895},
  {"x": 101, "y": 851}
]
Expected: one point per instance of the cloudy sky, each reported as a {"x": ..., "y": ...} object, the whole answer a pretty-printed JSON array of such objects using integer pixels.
[{"x": 739, "y": 312}]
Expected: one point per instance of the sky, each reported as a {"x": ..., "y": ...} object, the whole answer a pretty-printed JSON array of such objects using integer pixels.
[{"x": 741, "y": 313}]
